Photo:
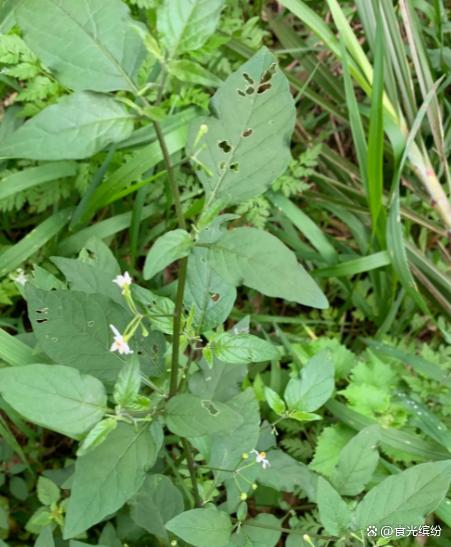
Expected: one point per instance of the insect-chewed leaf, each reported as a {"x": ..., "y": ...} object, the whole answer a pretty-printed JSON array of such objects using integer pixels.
[
  {"x": 247, "y": 144},
  {"x": 190, "y": 416},
  {"x": 257, "y": 259},
  {"x": 76, "y": 127},
  {"x": 95, "y": 46}
]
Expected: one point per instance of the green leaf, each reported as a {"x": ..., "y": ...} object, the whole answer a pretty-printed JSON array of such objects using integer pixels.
[
  {"x": 406, "y": 497},
  {"x": 202, "y": 527},
  {"x": 274, "y": 401},
  {"x": 76, "y": 127},
  {"x": 73, "y": 328},
  {"x": 246, "y": 146},
  {"x": 45, "y": 538},
  {"x": 128, "y": 382},
  {"x": 260, "y": 261},
  {"x": 185, "y": 25},
  {"x": 108, "y": 476},
  {"x": 301, "y": 416},
  {"x": 193, "y": 73},
  {"x": 357, "y": 462},
  {"x": 333, "y": 511},
  {"x": 13, "y": 351},
  {"x": 167, "y": 249},
  {"x": 156, "y": 503},
  {"x": 97, "y": 435},
  {"x": 190, "y": 416},
  {"x": 55, "y": 397},
  {"x": 315, "y": 387},
  {"x": 47, "y": 491},
  {"x": 263, "y": 530},
  {"x": 242, "y": 348},
  {"x": 210, "y": 296},
  {"x": 330, "y": 442},
  {"x": 108, "y": 49}
]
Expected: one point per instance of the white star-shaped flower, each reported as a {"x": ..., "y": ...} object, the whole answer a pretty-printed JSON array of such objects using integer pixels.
[
  {"x": 119, "y": 344},
  {"x": 260, "y": 457},
  {"x": 123, "y": 281},
  {"x": 21, "y": 277}
]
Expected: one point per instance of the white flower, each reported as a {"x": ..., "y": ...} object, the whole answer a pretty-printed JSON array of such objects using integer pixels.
[
  {"x": 123, "y": 281},
  {"x": 20, "y": 278},
  {"x": 260, "y": 457},
  {"x": 119, "y": 344}
]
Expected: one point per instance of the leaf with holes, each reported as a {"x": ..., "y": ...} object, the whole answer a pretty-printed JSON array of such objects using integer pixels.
[
  {"x": 260, "y": 261},
  {"x": 53, "y": 396},
  {"x": 95, "y": 48},
  {"x": 247, "y": 145},
  {"x": 190, "y": 416},
  {"x": 185, "y": 25},
  {"x": 76, "y": 127}
]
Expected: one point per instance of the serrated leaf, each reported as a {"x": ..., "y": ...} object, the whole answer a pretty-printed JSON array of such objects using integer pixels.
[
  {"x": 242, "y": 348},
  {"x": 55, "y": 397},
  {"x": 76, "y": 127},
  {"x": 128, "y": 382},
  {"x": 334, "y": 514},
  {"x": 210, "y": 296},
  {"x": 202, "y": 527},
  {"x": 157, "y": 502},
  {"x": 97, "y": 435},
  {"x": 185, "y": 25},
  {"x": 257, "y": 259},
  {"x": 247, "y": 144},
  {"x": 108, "y": 476},
  {"x": 190, "y": 416},
  {"x": 405, "y": 497},
  {"x": 274, "y": 401},
  {"x": 167, "y": 249},
  {"x": 357, "y": 462},
  {"x": 108, "y": 49},
  {"x": 47, "y": 491}
]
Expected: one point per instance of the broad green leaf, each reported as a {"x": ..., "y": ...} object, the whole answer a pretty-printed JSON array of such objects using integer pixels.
[
  {"x": 47, "y": 491},
  {"x": 301, "y": 416},
  {"x": 357, "y": 462},
  {"x": 128, "y": 383},
  {"x": 167, "y": 249},
  {"x": 210, "y": 296},
  {"x": 159, "y": 309},
  {"x": 242, "y": 348},
  {"x": 190, "y": 416},
  {"x": 76, "y": 127},
  {"x": 45, "y": 538},
  {"x": 333, "y": 511},
  {"x": 97, "y": 435},
  {"x": 406, "y": 497},
  {"x": 257, "y": 259},
  {"x": 219, "y": 382},
  {"x": 193, "y": 73},
  {"x": 95, "y": 48},
  {"x": 315, "y": 387},
  {"x": 73, "y": 328},
  {"x": 156, "y": 503},
  {"x": 108, "y": 476},
  {"x": 202, "y": 527},
  {"x": 185, "y": 25},
  {"x": 274, "y": 401},
  {"x": 55, "y": 397},
  {"x": 263, "y": 530},
  {"x": 246, "y": 146}
]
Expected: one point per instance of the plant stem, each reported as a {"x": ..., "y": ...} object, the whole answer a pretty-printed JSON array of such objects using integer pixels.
[
  {"x": 192, "y": 472},
  {"x": 177, "y": 327}
]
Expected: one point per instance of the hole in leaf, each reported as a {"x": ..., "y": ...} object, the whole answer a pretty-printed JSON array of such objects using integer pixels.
[
  {"x": 224, "y": 146},
  {"x": 263, "y": 87},
  {"x": 235, "y": 166},
  {"x": 42, "y": 310},
  {"x": 215, "y": 296},
  {"x": 250, "y": 90},
  {"x": 240, "y": 92},
  {"x": 248, "y": 79},
  {"x": 41, "y": 321},
  {"x": 268, "y": 74},
  {"x": 222, "y": 165},
  {"x": 248, "y": 132},
  {"x": 210, "y": 408}
]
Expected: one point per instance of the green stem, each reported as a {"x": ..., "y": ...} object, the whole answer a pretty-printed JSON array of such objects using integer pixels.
[
  {"x": 192, "y": 472},
  {"x": 177, "y": 327}
]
